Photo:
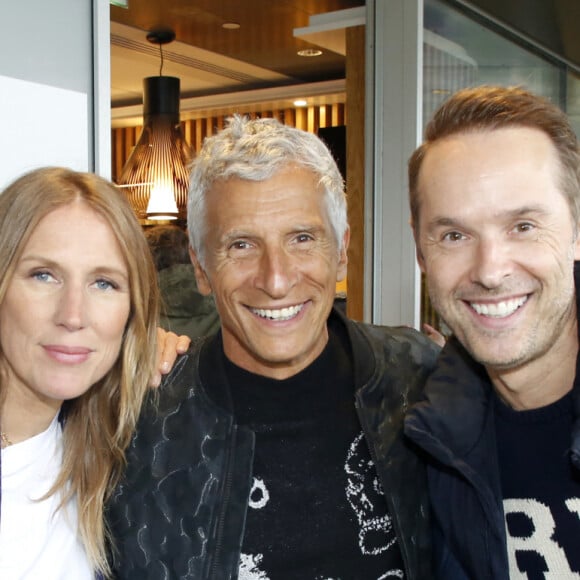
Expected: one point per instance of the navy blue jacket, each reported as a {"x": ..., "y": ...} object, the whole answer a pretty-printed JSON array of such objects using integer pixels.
[{"x": 455, "y": 426}]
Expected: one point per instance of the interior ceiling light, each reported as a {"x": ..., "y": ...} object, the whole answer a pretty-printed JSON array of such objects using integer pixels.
[
  {"x": 309, "y": 52},
  {"x": 300, "y": 103},
  {"x": 155, "y": 176},
  {"x": 230, "y": 25}
]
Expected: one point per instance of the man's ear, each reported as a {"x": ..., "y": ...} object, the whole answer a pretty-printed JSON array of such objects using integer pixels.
[
  {"x": 343, "y": 257},
  {"x": 201, "y": 278},
  {"x": 420, "y": 259},
  {"x": 577, "y": 243},
  {"x": 418, "y": 253}
]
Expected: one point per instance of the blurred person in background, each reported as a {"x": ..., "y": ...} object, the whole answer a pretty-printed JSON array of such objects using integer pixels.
[{"x": 184, "y": 310}]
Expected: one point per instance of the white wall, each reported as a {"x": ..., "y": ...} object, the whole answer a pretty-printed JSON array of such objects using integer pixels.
[{"x": 47, "y": 112}]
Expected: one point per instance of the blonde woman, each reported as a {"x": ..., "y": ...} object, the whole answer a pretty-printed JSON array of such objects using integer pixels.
[{"x": 78, "y": 318}]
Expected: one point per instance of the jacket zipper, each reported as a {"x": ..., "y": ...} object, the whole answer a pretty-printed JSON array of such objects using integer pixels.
[
  {"x": 224, "y": 505},
  {"x": 402, "y": 547}
]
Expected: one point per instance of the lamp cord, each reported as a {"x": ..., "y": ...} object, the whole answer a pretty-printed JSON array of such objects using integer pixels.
[{"x": 161, "y": 55}]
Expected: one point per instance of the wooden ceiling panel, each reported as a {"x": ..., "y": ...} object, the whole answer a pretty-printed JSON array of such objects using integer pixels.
[{"x": 265, "y": 37}]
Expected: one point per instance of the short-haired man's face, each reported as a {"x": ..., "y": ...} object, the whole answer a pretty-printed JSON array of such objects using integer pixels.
[
  {"x": 272, "y": 262},
  {"x": 497, "y": 243}
]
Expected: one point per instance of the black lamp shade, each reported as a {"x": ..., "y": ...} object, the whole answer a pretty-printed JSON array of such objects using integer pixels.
[{"x": 155, "y": 177}]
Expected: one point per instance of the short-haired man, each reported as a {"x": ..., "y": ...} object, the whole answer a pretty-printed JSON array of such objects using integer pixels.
[
  {"x": 276, "y": 450},
  {"x": 495, "y": 192}
]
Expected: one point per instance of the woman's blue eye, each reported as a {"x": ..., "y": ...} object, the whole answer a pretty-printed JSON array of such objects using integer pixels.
[
  {"x": 42, "y": 276},
  {"x": 105, "y": 284}
]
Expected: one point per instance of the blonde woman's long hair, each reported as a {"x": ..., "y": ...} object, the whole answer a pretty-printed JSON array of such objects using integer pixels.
[{"x": 97, "y": 426}]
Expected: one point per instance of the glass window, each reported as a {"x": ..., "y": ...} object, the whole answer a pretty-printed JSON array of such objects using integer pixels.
[{"x": 462, "y": 49}]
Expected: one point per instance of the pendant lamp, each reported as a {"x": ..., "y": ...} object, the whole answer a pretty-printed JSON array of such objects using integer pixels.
[{"x": 155, "y": 177}]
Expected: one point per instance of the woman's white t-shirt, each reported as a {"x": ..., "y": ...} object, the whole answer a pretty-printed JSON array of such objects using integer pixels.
[{"x": 37, "y": 540}]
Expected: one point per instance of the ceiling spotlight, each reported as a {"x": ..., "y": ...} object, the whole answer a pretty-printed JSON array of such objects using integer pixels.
[
  {"x": 309, "y": 52},
  {"x": 230, "y": 25},
  {"x": 300, "y": 103}
]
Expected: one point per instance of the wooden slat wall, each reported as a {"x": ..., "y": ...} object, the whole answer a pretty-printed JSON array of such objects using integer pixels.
[
  {"x": 196, "y": 130},
  {"x": 355, "y": 168}
]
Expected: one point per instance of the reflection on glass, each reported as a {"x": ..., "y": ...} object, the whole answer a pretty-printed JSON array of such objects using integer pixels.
[{"x": 461, "y": 50}]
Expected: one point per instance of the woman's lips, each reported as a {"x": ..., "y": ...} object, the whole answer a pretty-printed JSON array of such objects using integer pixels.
[{"x": 67, "y": 354}]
